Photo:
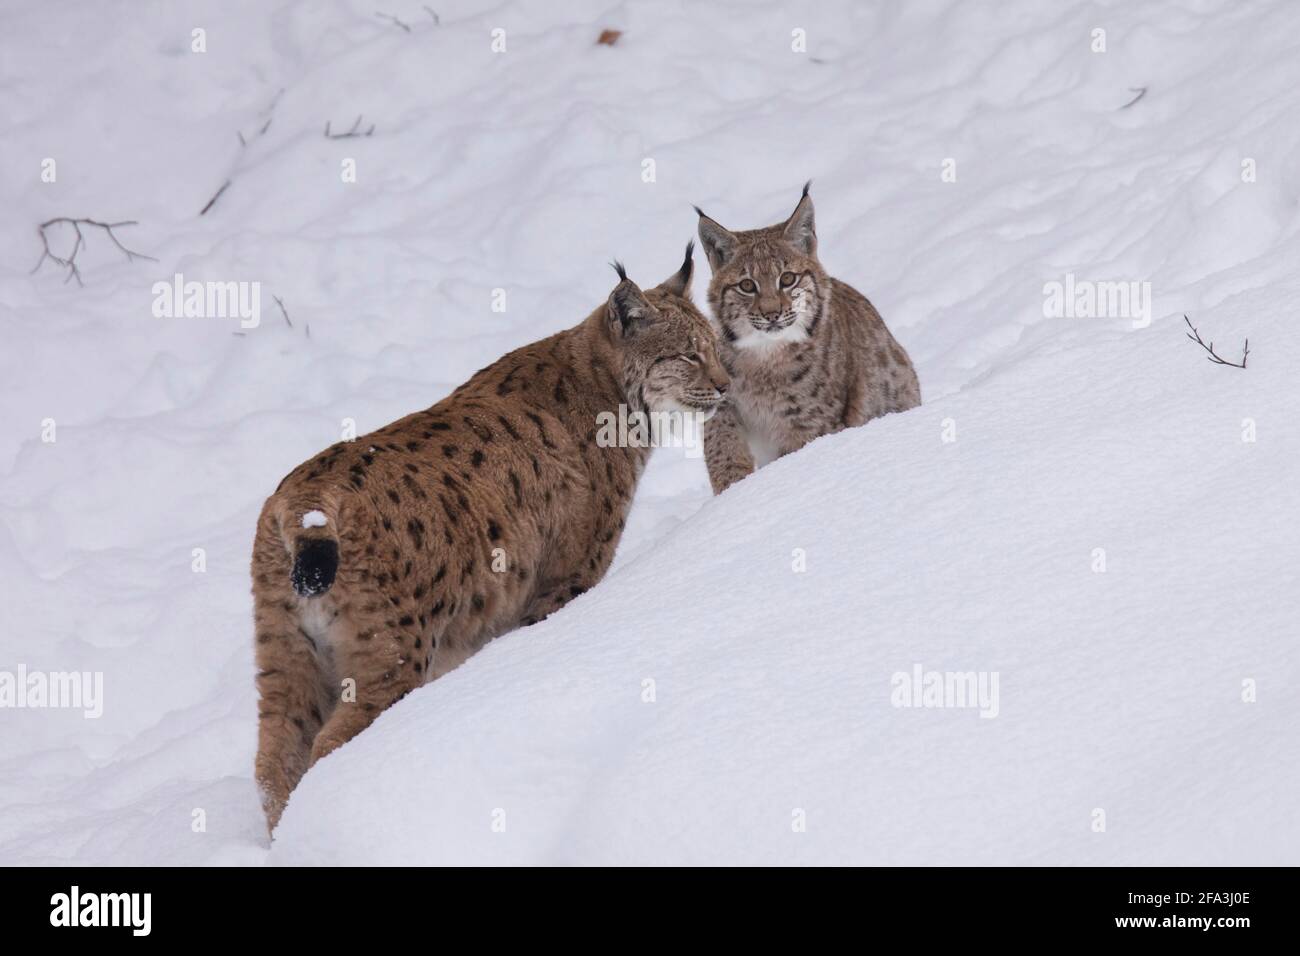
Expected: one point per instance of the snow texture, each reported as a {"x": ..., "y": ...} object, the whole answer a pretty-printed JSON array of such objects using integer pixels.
[
  {"x": 727, "y": 694},
  {"x": 314, "y": 519}
]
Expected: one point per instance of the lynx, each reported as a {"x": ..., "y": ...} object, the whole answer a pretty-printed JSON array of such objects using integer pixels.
[
  {"x": 383, "y": 563},
  {"x": 808, "y": 355}
]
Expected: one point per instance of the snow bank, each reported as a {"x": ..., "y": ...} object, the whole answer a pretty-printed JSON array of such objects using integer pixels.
[
  {"x": 124, "y": 542},
  {"x": 773, "y": 694}
]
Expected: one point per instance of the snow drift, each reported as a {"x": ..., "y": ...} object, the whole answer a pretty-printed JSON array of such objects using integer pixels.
[{"x": 771, "y": 732}]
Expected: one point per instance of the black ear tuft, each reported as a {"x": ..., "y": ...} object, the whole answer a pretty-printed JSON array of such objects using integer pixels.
[
  {"x": 698, "y": 210},
  {"x": 679, "y": 283},
  {"x": 618, "y": 267},
  {"x": 800, "y": 229}
]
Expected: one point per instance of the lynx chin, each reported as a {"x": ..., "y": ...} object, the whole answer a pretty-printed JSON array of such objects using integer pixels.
[
  {"x": 383, "y": 563},
  {"x": 808, "y": 355}
]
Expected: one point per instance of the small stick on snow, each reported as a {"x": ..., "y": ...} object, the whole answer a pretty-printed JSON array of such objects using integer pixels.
[
  {"x": 70, "y": 261},
  {"x": 1195, "y": 336},
  {"x": 243, "y": 144},
  {"x": 283, "y": 310},
  {"x": 216, "y": 196},
  {"x": 1141, "y": 91},
  {"x": 393, "y": 19},
  {"x": 433, "y": 13},
  {"x": 353, "y": 133}
]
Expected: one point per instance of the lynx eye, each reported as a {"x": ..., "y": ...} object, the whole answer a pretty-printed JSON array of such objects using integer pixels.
[
  {"x": 787, "y": 279},
  {"x": 748, "y": 287}
]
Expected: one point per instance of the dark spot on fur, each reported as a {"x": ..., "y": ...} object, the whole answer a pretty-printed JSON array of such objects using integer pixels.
[
  {"x": 415, "y": 489},
  {"x": 494, "y": 531},
  {"x": 510, "y": 429},
  {"x": 541, "y": 428},
  {"x": 452, "y": 516},
  {"x": 482, "y": 431},
  {"x": 477, "y": 459}
]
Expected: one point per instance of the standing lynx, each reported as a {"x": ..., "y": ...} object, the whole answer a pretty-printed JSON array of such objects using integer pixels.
[
  {"x": 385, "y": 562},
  {"x": 808, "y": 355}
]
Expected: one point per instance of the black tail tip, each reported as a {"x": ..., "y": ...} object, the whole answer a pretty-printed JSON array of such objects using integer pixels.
[{"x": 315, "y": 565}]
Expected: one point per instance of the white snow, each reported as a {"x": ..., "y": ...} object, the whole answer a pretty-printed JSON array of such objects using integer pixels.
[
  {"x": 314, "y": 519},
  {"x": 124, "y": 542}
]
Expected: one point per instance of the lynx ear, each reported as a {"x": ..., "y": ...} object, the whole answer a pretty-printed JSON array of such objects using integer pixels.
[
  {"x": 800, "y": 229},
  {"x": 628, "y": 308},
  {"x": 719, "y": 244},
  {"x": 679, "y": 283}
]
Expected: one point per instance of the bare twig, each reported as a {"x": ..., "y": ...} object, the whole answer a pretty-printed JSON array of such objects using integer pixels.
[
  {"x": 215, "y": 197},
  {"x": 243, "y": 144},
  {"x": 1141, "y": 91},
  {"x": 283, "y": 310},
  {"x": 392, "y": 19},
  {"x": 70, "y": 261},
  {"x": 1195, "y": 336},
  {"x": 354, "y": 132},
  {"x": 433, "y": 13}
]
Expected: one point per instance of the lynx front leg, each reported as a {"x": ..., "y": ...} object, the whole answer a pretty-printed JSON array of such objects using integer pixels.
[
  {"x": 290, "y": 707},
  {"x": 726, "y": 450}
]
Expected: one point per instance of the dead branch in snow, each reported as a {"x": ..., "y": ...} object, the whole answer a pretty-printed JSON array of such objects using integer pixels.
[
  {"x": 283, "y": 311},
  {"x": 69, "y": 262},
  {"x": 215, "y": 197},
  {"x": 354, "y": 132},
  {"x": 433, "y": 13},
  {"x": 1195, "y": 336},
  {"x": 1141, "y": 91},
  {"x": 392, "y": 19},
  {"x": 243, "y": 144}
]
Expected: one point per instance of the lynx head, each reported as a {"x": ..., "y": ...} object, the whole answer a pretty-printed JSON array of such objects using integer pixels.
[
  {"x": 667, "y": 348},
  {"x": 768, "y": 287}
]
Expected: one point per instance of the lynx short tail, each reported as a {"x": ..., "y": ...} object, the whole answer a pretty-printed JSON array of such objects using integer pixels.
[{"x": 315, "y": 563}]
